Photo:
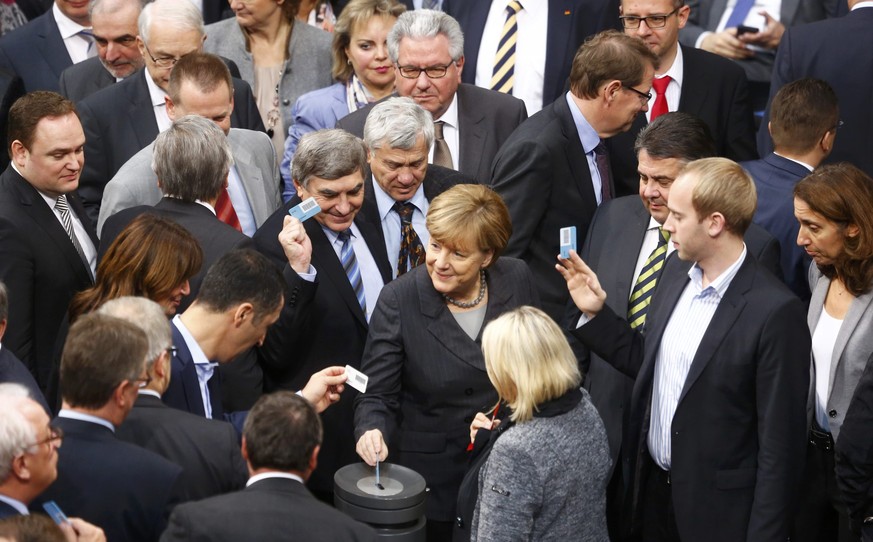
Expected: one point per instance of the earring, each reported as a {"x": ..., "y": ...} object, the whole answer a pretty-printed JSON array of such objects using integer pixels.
[{"x": 349, "y": 61}]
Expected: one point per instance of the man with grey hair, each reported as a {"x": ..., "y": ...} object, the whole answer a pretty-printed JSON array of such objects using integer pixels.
[
  {"x": 11, "y": 368},
  {"x": 470, "y": 123},
  {"x": 336, "y": 266},
  {"x": 113, "y": 24},
  {"x": 398, "y": 134},
  {"x": 122, "y": 119}
]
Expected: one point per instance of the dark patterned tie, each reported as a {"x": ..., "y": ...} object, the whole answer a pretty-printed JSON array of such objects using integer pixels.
[
  {"x": 641, "y": 297},
  {"x": 601, "y": 156},
  {"x": 350, "y": 265},
  {"x": 411, "y": 250},
  {"x": 63, "y": 209}
]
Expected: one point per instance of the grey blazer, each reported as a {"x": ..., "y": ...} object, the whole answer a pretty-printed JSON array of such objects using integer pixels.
[
  {"x": 84, "y": 79},
  {"x": 851, "y": 351},
  {"x": 308, "y": 66},
  {"x": 253, "y": 155}
]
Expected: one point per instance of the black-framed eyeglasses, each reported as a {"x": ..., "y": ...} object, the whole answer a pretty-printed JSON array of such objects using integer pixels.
[
  {"x": 643, "y": 95},
  {"x": 165, "y": 61},
  {"x": 432, "y": 72},
  {"x": 55, "y": 433},
  {"x": 652, "y": 21}
]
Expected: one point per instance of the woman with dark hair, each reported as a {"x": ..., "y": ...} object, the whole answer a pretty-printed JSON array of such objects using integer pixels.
[{"x": 833, "y": 205}]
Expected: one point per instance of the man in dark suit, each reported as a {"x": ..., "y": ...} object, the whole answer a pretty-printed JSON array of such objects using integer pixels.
[
  {"x": 130, "y": 490},
  {"x": 207, "y": 450},
  {"x": 398, "y": 135},
  {"x": 40, "y": 217},
  {"x": 715, "y": 436},
  {"x": 11, "y": 368},
  {"x": 804, "y": 122},
  {"x": 281, "y": 443},
  {"x": 548, "y": 32},
  {"x": 114, "y": 28},
  {"x": 43, "y": 48},
  {"x": 471, "y": 123},
  {"x": 123, "y": 118},
  {"x": 553, "y": 171},
  {"x": 706, "y": 85},
  {"x": 332, "y": 309},
  {"x": 839, "y": 51}
]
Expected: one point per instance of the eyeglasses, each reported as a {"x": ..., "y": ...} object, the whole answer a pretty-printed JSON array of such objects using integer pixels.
[
  {"x": 55, "y": 433},
  {"x": 643, "y": 95},
  {"x": 165, "y": 61},
  {"x": 432, "y": 72},
  {"x": 652, "y": 21}
]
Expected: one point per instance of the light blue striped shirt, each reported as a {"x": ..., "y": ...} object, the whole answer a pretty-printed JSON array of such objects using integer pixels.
[{"x": 685, "y": 329}]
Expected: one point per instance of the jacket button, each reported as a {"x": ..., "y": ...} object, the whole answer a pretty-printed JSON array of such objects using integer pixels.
[
  {"x": 832, "y": 413},
  {"x": 286, "y": 101},
  {"x": 459, "y": 522},
  {"x": 468, "y": 391}
]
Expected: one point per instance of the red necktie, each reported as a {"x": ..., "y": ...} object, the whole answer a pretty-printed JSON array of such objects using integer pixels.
[
  {"x": 224, "y": 210},
  {"x": 660, "y": 106}
]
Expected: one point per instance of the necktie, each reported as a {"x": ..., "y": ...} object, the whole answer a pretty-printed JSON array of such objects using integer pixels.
[
  {"x": 411, "y": 250},
  {"x": 601, "y": 157},
  {"x": 641, "y": 296},
  {"x": 442, "y": 156},
  {"x": 350, "y": 266},
  {"x": 739, "y": 14},
  {"x": 63, "y": 209},
  {"x": 88, "y": 35},
  {"x": 660, "y": 106},
  {"x": 503, "y": 76},
  {"x": 224, "y": 210}
]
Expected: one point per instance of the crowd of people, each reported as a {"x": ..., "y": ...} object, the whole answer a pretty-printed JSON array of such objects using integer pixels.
[{"x": 606, "y": 265}]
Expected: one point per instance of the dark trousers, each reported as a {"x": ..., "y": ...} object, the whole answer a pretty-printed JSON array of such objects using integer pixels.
[
  {"x": 821, "y": 514},
  {"x": 659, "y": 517}
]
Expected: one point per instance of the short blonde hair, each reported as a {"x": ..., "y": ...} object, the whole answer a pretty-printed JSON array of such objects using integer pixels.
[
  {"x": 470, "y": 212},
  {"x": 723, "y": 186},
  {"x": 528, "y": 360}
]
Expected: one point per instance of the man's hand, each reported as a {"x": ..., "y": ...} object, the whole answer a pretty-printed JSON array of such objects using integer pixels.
[
  {"x": 726, "y": 44},
  {"x": 324, "y": 387},
  {"x": 769, "y": 36},
  {"x": 79, "y": 530},
  {"x": 582, "y": 284},
  {"x": 371, "y": 447},
  {"x": 296, "y": 244}
]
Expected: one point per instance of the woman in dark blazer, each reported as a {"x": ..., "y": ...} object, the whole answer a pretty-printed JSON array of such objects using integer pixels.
[{"x": 427, "y": 374}]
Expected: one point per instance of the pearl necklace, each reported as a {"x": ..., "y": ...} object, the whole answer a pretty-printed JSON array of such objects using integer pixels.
[{"x": 470, "y": 304}]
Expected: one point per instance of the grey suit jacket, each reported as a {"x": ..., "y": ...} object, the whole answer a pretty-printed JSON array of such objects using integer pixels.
[
  {"x": 84, "y": 79},
  {"x": 308, "y": 66},
  {"x": 851, "y": 351},
  {"x": 254, "y": 157}
]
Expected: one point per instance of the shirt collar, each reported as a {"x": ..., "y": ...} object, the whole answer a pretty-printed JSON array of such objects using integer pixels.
[
  {"x": 150, "y": 393},
  {"x": 66, "y": 26},
  {"x": 82, "y": 417},
  {"x": 721, "y": 283},
  {"x": 49, "y": 200},
  {"x": 197, "y": 355},
  {"x": 804, "y": 164},
  {"x": 18, "y": 505},
  {"x": 450, "y": 117},
  {"x": 677, "y": 70},
  {"x": 273, "y": 474},
  {"x": 385, "y": 203},
  {"x": 156, "y": 93},
  {"x": 860, "y": 5},
  {"x": 587, "y": 134},
  {"x": 333, "y": 236}
]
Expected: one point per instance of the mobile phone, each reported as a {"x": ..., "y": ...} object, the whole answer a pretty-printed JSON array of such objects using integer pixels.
[{"x": 743, "y": 29}]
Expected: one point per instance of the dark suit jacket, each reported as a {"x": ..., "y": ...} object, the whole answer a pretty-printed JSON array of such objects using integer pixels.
[
  {"x": 485, "y": 120},
  {"x": 428, "y": 379},
  {"x": 739, "y": 430},
  {"x": 542, "y": 173},
  {"x": 569, "y": 23},
  {"x": 11, "y": 88},
  {"x": 775, "y": 178},
  {"x": 322, "y": 325},
  {"x": 715, "y": 90},
  {"x": 12, "y": 370},
  {"x": 183, "y": 393},
  {"x": 207, "y": 450},
  {"x": 41, "y": 269},
  {"x": 854, "y": 468},
  {"x": 36, "y": 53},
  {"x": 126, "y": 490},
  {"x": 840, "y": 51},
  {"x": 84, "y": 79},
  {"x": 119, "y": 121},
  {"x": 7, "y": 511},
  {"x": 269, "y": 510}
]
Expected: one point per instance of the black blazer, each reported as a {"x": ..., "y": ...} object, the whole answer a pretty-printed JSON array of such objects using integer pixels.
[
  {"x": 119, "y": 121},
  {"x": 207, "y": 450},
  {"x": 270, "y": 509},
  {"x": 715, "y": 90},
  {"x": 36, "y": 53},
  {"x": 739, "y": 430},
  {"x": 428, "y": 379},
  {"x": 126, "y": 490},
  {"x": 41, "y": 269},
  {"x": 84, "y": 79},
  {"x": 11, "y": 88},
  {"x": 569, "y": 23},
  {"x": 12, "y": 370},
  {"x": 485, "y": 120},
  {"x": 321, "y": 325}
]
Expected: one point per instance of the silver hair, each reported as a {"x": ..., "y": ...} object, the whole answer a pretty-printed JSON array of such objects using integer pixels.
[
  {"x": 17, "y": 434},
  {"x": 173, "y": 13},
  {"x": 191, "y": 159},
  {"x": 4, "y": 302},
  {"x": 148, "y": 316},
  {"x": 111, "y": 6},
  {"x": 398, "y": 123},
  {"x": 328, "y": 154},
  {"x": 425, "y": 23}
]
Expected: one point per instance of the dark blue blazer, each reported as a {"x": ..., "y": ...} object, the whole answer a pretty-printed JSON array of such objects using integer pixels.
[
  {"x": 775, "y": 178},
  {"x": 6, "y": 511},
  {"x": 12, "y": 370},
  {"x": 36, "y": 53},
  {"x": 570, "y": 22}
]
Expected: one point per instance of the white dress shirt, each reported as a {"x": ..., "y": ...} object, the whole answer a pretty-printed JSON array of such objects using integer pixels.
[
  {"x": 159, "y": 105},
  {"x": 78, "y": 47},
  {"x": 390, "y": 221},
  {"x": 450, "y": 132}
]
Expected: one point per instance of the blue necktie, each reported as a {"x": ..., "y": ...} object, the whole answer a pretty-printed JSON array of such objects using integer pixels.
[
  {"x": 739, "y": 14},
  {"x": 350, "y": 266}
]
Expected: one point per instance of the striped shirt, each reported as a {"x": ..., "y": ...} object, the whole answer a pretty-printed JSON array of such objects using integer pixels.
[{"x": 685, "y": 329}]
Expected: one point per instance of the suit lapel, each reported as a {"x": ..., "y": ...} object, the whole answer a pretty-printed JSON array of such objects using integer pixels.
[
  {"x": 251, "y": 178},
  {"x": 857, "y": 309},
  {"x": 784, "y": 164},
  {"x": 622, "y": 260},
  {"x": 369, "y": 212},
  {"x": 51, "y": 44},
  {"x": 471, "y": 136},
  {"x": 140, "y": 111},
  {"x": 188, "y": 373},
  {"x": 693, "y": 94},
  {"x": 575, "y": 157},
  {"x": 325, "y": 259}
]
